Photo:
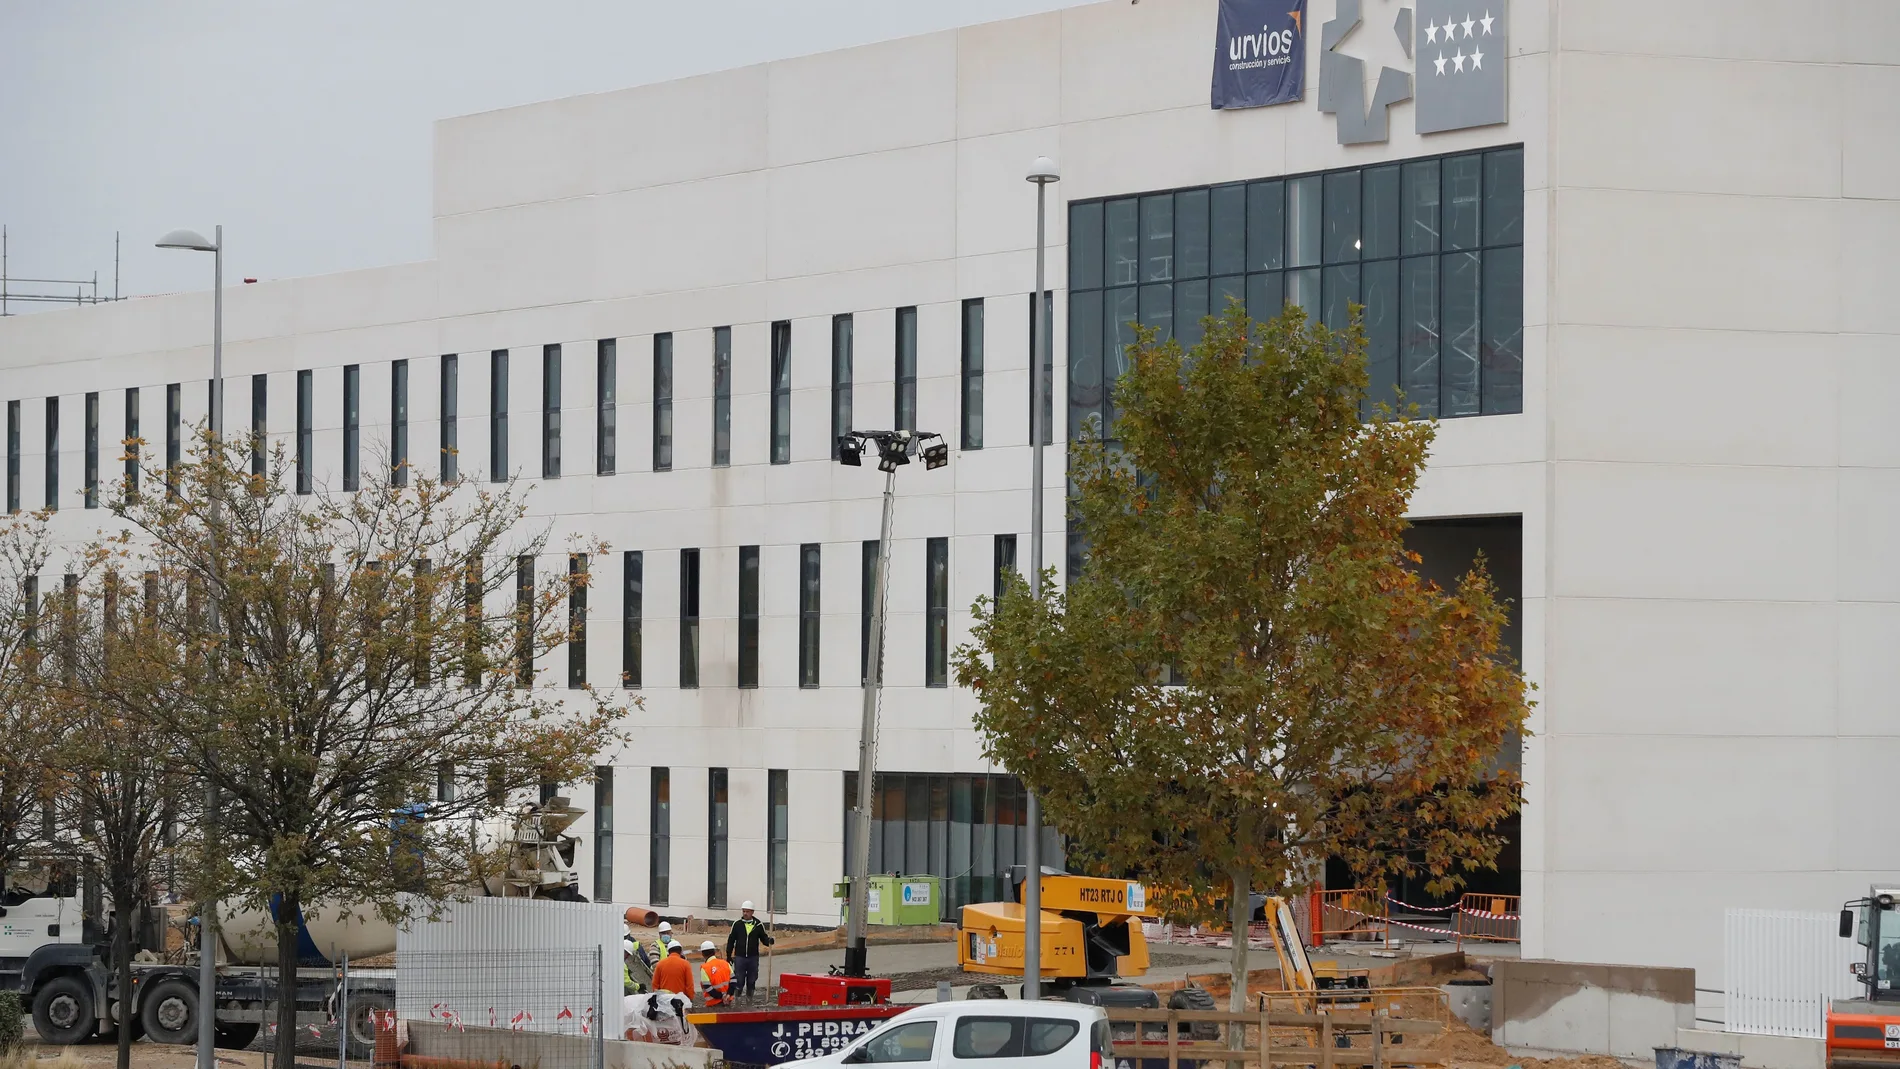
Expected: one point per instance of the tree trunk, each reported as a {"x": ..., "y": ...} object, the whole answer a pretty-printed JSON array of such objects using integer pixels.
[
  {"x": 1239, "y": 912},
  {"x": 289, "y": 908},
  {"x": 122, "y": 964}
]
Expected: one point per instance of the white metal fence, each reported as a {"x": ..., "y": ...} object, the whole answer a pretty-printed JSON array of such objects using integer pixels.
[
  {"x": 498, "y": 952},
  {"x": 1780, "y": 968}
]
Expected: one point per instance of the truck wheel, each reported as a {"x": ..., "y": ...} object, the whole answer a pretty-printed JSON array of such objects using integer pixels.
[
  {"x": 237, "y": 1035},
  {"x": 63, "y": 1013},
  {"x": 170, "y": 1012},
  {"x": 363, "y": 1023}
]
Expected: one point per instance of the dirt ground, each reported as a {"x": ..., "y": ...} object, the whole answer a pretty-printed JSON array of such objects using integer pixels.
[{"x": 1474, "y": 1050}]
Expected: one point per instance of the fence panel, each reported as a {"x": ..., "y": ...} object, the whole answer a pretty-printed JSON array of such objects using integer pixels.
[
  {"x": 1779, "y": 970},
  {"x": 466, "y": 952}
]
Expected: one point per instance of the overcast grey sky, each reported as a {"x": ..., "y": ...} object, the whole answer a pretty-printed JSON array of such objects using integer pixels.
[{"x": 304, "y": 127}]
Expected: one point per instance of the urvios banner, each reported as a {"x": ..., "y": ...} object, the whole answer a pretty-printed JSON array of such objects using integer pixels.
[{"x": 1259, "y": 53}]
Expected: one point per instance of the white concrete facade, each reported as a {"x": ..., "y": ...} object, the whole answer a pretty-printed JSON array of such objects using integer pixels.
[{"x": 1705, "y": 467}]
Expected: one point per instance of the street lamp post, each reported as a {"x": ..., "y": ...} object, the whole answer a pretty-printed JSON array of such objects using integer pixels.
[
  {"x": 1042, "y": 172},
  {"x": 893, "y": 450},
  {"x": 208, "y": 909}
]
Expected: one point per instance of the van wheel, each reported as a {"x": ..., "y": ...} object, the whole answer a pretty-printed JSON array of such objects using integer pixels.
[
  {"x": 63, "y": 1013},
  {"x": 170, "y": 1012}
]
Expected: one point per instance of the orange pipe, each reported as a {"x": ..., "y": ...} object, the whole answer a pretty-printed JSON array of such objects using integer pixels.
[{"x": 642, "y": 917}]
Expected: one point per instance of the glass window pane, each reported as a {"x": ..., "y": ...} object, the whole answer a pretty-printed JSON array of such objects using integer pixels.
[
  {"x": 1228, "y": 230},
  {"x": 1190, "y": 304},
  {"x": 1265, "y": 299},
  {"x": 1085, "y": 246},
  {"x": 1341, "y": 232},
  {"x": 1266, "y": 226},
  {"x": 1341, "y": 293},
  {"x": 1459, "y": 355},
  {"x": 1190, "y": 234},
  {"x": 1379, "y": 286},
  {"x": 1124, "y": 242},
  {"x": 1157, "y": 238},
  {"x": 1380, "y": 226},
  {"x": 1049, "y": 1035},
  {"x": 1503, "y": 371},
  {"x": 1418, "y": 333},
  {"x": 1221, "y": 290},
  {"x": 1504, "y": 197},
  {"x": 1302, "y": 221},
  {"x": 1462, "y": 188},
  {"x": 1119, "y": 316},
  {"x": 1418, "y": 222},
  {"x": 1157, "y": 310},
  {"x": 1085, "y": 359},
  {"x": 1302, "y": 289}
]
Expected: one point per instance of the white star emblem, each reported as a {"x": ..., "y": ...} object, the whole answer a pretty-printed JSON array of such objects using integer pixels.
[
  {"x": 1431, "y": 33},
  {"x": 1469, "y": 23},
  {"x": 1477, "y": 59},
  {"x": 1458, "y": 60},
  {"x": 1486, "y": 22},
  {"x": 1440, "y": 63}
]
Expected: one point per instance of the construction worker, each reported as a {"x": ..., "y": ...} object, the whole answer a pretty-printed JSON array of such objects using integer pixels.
[
  {"x": 742, "y": 946},
  {"x": 634, "y": 967},
  {"x": 715, "y": 976},
  {"x": 674, "y": 973},
  {"x": 661, "y": 941}
]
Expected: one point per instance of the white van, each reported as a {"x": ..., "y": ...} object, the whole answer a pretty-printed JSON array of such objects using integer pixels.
[{"x": 981, "y": 1034}]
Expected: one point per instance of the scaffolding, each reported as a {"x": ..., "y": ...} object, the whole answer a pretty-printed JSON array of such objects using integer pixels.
[{"x": 52, "y": 290}]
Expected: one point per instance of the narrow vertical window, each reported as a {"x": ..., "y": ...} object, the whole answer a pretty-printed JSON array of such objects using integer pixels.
[
  {"x": 1004, "y": 565},
  {"x": 445, "y": 780},
  {"x": 808, "y": 614},
  {"x": 689, "y": 619},
  {"x": 722, "y": 397},
  {"x": 632, "y": 609},
  {"x": 550, "y": 411},
  {"x": 663, "y": 402},
  {"x": 306, "y": 411},
  {"x": 603, "y": 833},
  {"x": 906, "y": 407},
  {"x": 937, "y": 612},
  {"x": 1048, "y": 363},
  {"x": 52, "y": 454},
  {"x": 660, "y": 836},
  {"x": 473, "y": 618},
  {"x": 498, "y": 416},
  {"x": 867, "y": 605},
  {"x": 778, "y": 824},
  {"x": 133, "y": 442},
  {"x": 91, "y": 484},
  {"x": 606, "y": 405},
  {"x": 524, "y": 621},
  {"x": 399, "y": 423},
  {"x": 973, "y": 373},
  {"x": 174, "y": 436},
  {"x": 841, "y": 329},
  {"x": 260, "y": 394},
  {"x": 352, "y": 426},
  {"x": 748, "y": 616},
  {"x": 577, "y": 621},
  {"x": 13, "y": 456},
  {"x": 717, "y": 828},
  {"x": 782, "y": 392},
  {"x": 451, "y": 408}
]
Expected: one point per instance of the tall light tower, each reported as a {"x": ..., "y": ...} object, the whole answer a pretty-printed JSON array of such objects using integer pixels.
[{"x": 1042, "y": 172}]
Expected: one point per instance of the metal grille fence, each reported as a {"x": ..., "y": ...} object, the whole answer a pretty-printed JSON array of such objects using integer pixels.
[
  {"x": 1780, "y": 968},
  {"x": 469, "y": 931},
  {"x": 545, "y": 992}
]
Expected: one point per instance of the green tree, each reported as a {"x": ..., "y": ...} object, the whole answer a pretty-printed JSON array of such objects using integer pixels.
[
  {"x": 323, "y": 659},
  {"x": 27, "y": 781},
  {"x": 1248, "y": 676}
]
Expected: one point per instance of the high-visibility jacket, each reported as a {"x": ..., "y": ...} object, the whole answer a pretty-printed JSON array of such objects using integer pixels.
[{"x": 715, "y": 976}]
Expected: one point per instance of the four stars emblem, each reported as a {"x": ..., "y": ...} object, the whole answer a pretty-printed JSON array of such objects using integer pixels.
[{"x": 1450, "y": 30}]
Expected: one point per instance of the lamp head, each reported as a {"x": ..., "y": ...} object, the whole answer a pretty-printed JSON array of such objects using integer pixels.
[
  {"x": 1043, "y": 171},
  {"x": 187, "y": 239},
  {"x": 850, "y": 451},
  {"x": 893, "y": 450},
  {"x": 935, "y": 453}
]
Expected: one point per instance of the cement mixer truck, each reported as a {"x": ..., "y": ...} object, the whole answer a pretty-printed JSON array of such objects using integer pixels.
[{"x": 56, "y": 951}]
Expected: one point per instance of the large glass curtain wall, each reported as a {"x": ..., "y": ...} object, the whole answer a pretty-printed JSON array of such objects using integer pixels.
[
  {"x": 966, "y": 829},
  {"x": 1432, "y": 248}
]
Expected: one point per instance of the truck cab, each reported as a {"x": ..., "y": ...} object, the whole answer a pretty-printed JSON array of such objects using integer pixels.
[{"x": 1864, "y": 1033}]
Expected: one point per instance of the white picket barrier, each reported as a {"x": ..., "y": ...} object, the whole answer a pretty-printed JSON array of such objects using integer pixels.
[
  {"x": 528, "y": 965},
  {"x": 1780, "y": 968}
]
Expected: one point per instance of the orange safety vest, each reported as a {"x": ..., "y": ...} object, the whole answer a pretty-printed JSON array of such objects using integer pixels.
[{"x": 715, "y": 975}]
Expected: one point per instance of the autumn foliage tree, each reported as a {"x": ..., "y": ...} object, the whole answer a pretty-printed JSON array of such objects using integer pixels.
[
  {"x": 1249, "y": 676},
  {"x": 27, "y": 777},
  {"x": 325, "y": 660}
]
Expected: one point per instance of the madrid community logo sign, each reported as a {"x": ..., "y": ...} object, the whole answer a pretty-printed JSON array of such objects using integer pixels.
[{"x": 1458, "y": 49}]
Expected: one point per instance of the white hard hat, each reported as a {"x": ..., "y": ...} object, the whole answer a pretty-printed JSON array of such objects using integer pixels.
[
  {"x": 626, "y": 945},
  {"x": 708, "y": 945},
  {"x": 747, "y": 904},
  {"x": 665, "y": 927}
]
